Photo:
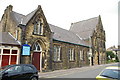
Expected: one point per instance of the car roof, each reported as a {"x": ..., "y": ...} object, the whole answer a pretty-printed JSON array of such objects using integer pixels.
[
  {"x": 113, "y": 67},
  {"x": 18, "y": 65}
]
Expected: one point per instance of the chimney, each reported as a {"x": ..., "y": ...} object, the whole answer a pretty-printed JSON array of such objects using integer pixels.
[
  {"x": 72, "y": 23},
  {"x": 9, "y": 8},
  {"x": 39, "y": 6}
]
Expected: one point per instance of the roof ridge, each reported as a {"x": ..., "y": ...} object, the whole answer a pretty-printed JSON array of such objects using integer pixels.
[
  {"x": 59, "y": 27},
  {"x": 86, "y": 30},
  {"x": 19, "y": 13},
  {"x": 85, "y": 20},
  {"x": 31, "y": 12}
]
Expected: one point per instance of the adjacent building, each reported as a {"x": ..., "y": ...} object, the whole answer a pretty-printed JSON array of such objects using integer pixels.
[
  {"x": 118, "y": 53},
  {"x": 92, "y": 32},
  {"x": 9, "y": 49},
  {"x": 52, "y": 47}
]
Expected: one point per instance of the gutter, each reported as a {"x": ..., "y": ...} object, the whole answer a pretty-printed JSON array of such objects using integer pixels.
[{"x": 72, "y": 43}]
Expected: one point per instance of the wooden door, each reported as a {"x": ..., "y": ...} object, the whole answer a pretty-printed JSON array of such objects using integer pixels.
[{"x": 36, "y": 60}]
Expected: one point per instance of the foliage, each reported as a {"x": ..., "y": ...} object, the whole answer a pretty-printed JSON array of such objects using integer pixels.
[
  {"x": 109, "y": 61},
  {"x": 110, "y": 56},
  {"x": 117, "y": 60}
]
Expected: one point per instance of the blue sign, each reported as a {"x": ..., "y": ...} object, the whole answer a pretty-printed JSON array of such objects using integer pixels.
[{"x": 26, "y": 49}]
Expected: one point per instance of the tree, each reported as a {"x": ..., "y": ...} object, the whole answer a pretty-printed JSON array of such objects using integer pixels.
[{"x": 110, "y": 55}]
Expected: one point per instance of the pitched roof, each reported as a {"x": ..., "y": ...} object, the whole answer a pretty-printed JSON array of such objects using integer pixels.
[
  {"x": 22, "y": 19},
  {"x": 59, "y": 33},
  {"x": 66, "y": 36},
  {"x": 28, "y": 17},
  {"x": 84, "y": 28},
  {"x": 6, "y": 38},
  {"x": 17, "y": 17}
]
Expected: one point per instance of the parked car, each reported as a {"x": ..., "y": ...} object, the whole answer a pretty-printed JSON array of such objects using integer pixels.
[
  {"x": 19, "y": 72},
  {"x": 109, "y": 73}
]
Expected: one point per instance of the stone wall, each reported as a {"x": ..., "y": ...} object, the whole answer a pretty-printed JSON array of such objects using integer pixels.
[
  {"x": 44, "y": 40},
  {"x": 98, "y": 45},
  {"x": 65, "y": 63}
]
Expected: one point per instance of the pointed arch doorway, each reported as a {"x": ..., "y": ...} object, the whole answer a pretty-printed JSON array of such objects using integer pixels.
[{"x": 37, "y": 56}]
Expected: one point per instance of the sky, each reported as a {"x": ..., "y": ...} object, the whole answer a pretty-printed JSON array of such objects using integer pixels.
[
  {"x": 119, "y": 23},
  {"x": 64, "y": 12}
]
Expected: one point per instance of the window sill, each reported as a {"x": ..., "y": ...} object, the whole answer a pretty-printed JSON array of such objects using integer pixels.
[
  {"x": 38, "y": 34},
  {"x": 57, "y": 61},
  {"x": 72, "y": 61}
]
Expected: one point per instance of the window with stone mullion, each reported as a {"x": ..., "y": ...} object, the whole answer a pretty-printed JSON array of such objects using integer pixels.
[
  {"x": 35, "y": 28},
  {"x": 57, "y": 51},
  {"x": 58, "y": 54},
  {"x": 39, "y": 27},
  {"x": 72, "y": 54},
  {"x": 81, "y": 55}
]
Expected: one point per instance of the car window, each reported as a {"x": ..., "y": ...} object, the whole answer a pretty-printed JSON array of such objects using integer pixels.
[
  {"x": 28, "y": 68},
  {"x": 111, "y": 73},
  {"x": 14, "y": 69}
]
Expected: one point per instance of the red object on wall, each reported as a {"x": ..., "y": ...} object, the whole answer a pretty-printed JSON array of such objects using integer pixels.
[
  {"x": 5, "y": 60},
  {"x": 13, "y": 59},
  {"x": 36, "y": 60}
]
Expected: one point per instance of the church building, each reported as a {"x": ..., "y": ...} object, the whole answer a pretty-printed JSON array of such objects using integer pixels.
[{"x": 50, "y": 47}]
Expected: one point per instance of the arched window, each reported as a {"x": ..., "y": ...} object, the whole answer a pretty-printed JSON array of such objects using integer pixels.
[
  {"x": 35, "y": 28},
  {"x": 37, "y": 47},
  {"x": 38, "y": 27}
]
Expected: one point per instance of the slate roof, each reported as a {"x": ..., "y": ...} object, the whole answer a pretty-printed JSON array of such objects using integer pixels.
[
  {"x": 17, "y": 17},
  {"x": 84, "y": 28},
  {"x": 61, "y": 34},
  {"x": 6, "y": 38},
  {"x": 20, "y": 18},
  {"x": 66, "y": 35},
  {"x": 28, "y": 17}
]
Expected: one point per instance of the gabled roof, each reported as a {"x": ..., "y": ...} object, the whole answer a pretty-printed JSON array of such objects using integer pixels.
[
  {"x": 84, "y": 28},
  {"x": 22, "y": 19},
  {"x": 17, "y": 17},
  {"x": 66, "y": 36},
  {"x": 28, "y": 17},
  {"x": 7, "y": 38},
  {"x": 59, "y": 34}
]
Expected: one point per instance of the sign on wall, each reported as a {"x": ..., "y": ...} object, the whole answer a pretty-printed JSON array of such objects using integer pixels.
[{"x": 26, "y": 49}]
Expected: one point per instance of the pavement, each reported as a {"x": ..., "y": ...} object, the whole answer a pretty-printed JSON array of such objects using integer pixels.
[{"x": 54, "y": 74}]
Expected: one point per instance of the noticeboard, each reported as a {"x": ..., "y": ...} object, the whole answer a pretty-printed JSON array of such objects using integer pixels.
[{"x": 26, "y": 49}]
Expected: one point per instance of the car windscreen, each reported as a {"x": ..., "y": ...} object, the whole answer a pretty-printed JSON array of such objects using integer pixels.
[
  {"x": 4, "y": 67},
  {"x": 111, "y": 73}
]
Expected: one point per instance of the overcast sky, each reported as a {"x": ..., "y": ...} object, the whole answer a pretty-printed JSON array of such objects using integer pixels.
[{"x": 64, "y": 12}]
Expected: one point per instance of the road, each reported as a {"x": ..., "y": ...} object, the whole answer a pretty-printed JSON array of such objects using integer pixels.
[
  {"x": 87, "y": 73},
  {"x": 84, "y": 72}
]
